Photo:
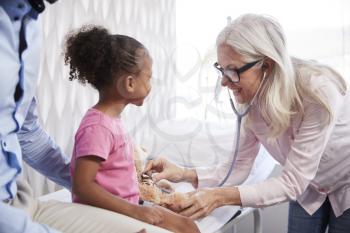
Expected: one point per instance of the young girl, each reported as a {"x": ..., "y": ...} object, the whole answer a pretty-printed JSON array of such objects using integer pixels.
[{"x": 102, "y": 166}]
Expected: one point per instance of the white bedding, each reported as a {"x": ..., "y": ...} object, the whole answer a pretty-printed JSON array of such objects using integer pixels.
[{"x": 208, "y": 224}]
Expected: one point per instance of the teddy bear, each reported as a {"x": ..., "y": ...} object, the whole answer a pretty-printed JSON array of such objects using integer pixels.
[{"x": 160, "y": 193}]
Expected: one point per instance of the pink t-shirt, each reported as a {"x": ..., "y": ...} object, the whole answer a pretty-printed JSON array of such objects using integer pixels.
[{"x": 103, "y": 136}]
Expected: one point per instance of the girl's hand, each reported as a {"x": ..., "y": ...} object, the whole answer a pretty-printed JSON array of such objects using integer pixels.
[
  {"x": 142, "y": 231},
  {"x": 149, "y": 214}
]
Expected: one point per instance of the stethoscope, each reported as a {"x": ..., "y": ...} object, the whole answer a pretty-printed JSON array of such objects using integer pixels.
[{"x": 240, "y": 116}]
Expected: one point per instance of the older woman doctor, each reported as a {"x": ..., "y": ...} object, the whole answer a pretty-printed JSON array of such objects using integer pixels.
[{"x": 299, "y": 111}]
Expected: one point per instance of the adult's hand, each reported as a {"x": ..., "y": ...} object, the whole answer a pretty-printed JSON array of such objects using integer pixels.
[
  {"x": 165, "y": 169},
  {"x": 202, "y": 202}
]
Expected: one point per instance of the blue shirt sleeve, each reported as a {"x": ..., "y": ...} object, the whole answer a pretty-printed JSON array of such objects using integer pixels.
[{"x": 41, "y": 152}]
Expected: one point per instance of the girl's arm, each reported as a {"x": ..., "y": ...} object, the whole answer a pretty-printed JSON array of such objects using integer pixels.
[
  {"x": 176, "y": 222},
  {"x": 91, "y": 193}
]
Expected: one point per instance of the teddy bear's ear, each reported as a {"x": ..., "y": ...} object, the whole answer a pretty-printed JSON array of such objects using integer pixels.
[
  {"x": 144, "y": 149},
  {"x": 165, "y": 186},
  {"x": 140, "y": 153},
  {"x": 138, "y": 156}
]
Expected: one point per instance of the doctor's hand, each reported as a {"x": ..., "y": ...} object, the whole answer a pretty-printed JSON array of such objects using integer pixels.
[
  {"x": 164, "y": 169},
  {"x": 199, "y": 203},
  {"x": 203, "y": 201}
]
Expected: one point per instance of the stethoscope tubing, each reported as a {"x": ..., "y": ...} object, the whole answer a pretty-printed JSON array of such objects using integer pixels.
[{"x": 239, "y": 123}]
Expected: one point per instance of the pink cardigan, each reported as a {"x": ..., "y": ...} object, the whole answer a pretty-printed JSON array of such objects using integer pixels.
[{"x": 315, "y": 157}]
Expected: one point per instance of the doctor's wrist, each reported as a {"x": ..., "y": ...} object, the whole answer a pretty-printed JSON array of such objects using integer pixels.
[
  {"x": 229, "y": 196},
  {"x": 190, "y": 176}
]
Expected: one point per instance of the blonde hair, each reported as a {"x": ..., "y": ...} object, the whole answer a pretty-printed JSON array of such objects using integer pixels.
[{"x": 257, "y": 37}]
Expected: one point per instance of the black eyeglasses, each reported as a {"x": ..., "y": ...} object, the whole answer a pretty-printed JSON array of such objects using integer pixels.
[{"x": 233, "y": 74}]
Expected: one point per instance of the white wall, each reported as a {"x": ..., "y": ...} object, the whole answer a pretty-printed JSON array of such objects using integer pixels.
[{"x": 315, "y": 29}]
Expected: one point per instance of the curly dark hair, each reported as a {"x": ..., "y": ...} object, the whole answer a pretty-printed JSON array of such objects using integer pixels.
[{"x": 97, "y": 57}]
